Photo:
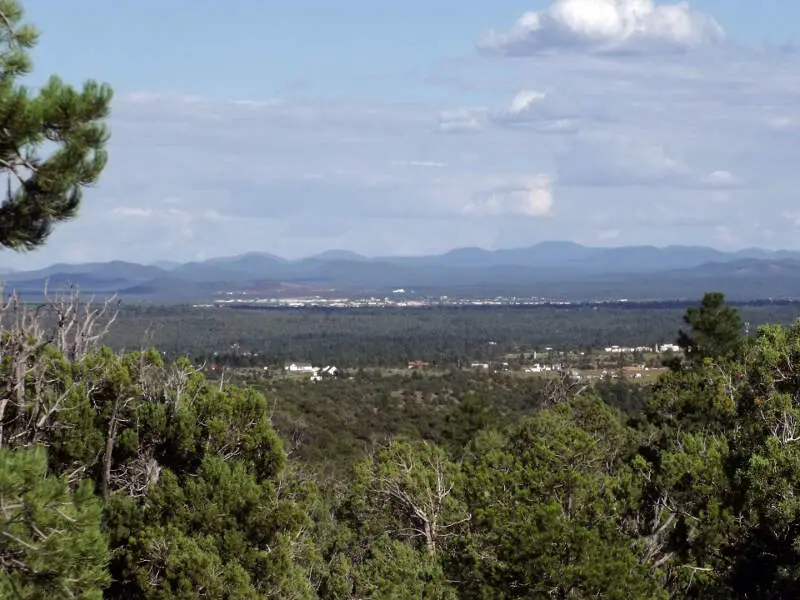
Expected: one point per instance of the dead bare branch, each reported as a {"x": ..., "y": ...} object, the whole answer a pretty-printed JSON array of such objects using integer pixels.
[{"x": 34, "y": 393}]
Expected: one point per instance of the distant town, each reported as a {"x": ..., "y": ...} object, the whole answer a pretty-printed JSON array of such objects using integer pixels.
[
  {"x": 399, "y": 298},
  {"x": 402, "y": 298}
]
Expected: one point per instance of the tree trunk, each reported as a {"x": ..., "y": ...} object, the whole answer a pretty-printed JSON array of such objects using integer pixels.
[
  {"x": 3, "y": 404},
  {"x": 430, "y": 536}
]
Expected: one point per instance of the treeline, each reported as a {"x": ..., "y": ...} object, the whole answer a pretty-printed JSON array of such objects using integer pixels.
[
  {"x": 392, "y": 337},
  {"x": 122, "y": 476}
]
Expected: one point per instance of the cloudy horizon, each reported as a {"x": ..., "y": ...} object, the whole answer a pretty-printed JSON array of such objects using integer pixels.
[{"x": 603, "y": 122}]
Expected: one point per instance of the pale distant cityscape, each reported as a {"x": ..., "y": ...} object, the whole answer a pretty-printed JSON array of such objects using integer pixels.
[{"x": 399, "y": 298}]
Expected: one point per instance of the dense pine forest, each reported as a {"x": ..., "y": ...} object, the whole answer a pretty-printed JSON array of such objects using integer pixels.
[{"x": 356, "y": 338}]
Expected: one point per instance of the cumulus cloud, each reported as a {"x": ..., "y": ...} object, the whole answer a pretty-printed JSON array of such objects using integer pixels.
[
  {"x": 537, "y": 110},
  {"x": 524, "y": 101},
  {"x": 533, "y": 198},
  {"x": 606, "y": 26},
  {"x": 651, "y": 147}
]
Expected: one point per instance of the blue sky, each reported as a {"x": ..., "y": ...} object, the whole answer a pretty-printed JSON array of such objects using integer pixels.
[{"x": 415, "y": 127}]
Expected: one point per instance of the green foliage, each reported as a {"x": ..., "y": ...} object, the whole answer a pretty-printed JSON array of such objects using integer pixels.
[
  {"x": 51, "y": 545},
  {"x": 393, "y": 570},
  {"x": 716, "y": 329},
  {"x": 548, "y": 505},
  {"x": 390, "y": 338},
  {"x": 128, "y": 476},
  {"x": 407, "y": 489},
  {"x": 396, "y": 521},
  {"x": 453, "y": 486},
  {"x": 721, "y": 471},
  {"x": 192, "y": 473},
  {"x": 219, "y": 532},
  {"x": 333, "y": 424},
  {"x": 52, "y": 143}
]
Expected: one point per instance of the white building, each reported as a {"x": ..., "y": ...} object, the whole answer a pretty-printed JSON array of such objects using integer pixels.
[
  {"x": 327, "y": 372},
  {"x": 667, "y": 348},
  {"x": 301, "y": 368}
]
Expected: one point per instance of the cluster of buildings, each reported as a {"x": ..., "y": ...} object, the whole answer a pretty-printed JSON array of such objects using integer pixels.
[
  {"x": 330, "y": 371},
  {"x": 658, "y": 349},
  {"x": 662, "y": 348},
  {"x": 538, "y": 368},
  {"x": 317, "y": 373}
]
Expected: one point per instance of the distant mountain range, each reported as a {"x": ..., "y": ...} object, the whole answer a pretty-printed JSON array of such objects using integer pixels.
[{"x": 562, "y": 270}]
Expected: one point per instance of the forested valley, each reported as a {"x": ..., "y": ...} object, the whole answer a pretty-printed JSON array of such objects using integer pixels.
[
  {"x": 127, "y": 472},
  {"x": 125, "y": 476},
  {"x": 389, "y": 338}
]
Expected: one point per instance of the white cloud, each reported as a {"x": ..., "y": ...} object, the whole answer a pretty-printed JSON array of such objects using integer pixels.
[
  {"x": 721, "y": 178},
  {"x": 606, "y": 26},
  {"x": 524, "y": 100},
  {"x": 533, "y": 198},
  {"x": 661, "y": 148},
  {"x": 537, "y": 110}
]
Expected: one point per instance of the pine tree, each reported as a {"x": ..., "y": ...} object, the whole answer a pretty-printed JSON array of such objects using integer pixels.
[
  {"x": 716, "y": 329},
  {"x": 51, "y": 542},
  {"x": 52, "y": 143}
]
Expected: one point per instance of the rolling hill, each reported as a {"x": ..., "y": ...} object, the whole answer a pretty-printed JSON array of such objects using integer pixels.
[{"x": 549, "y": 269}]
